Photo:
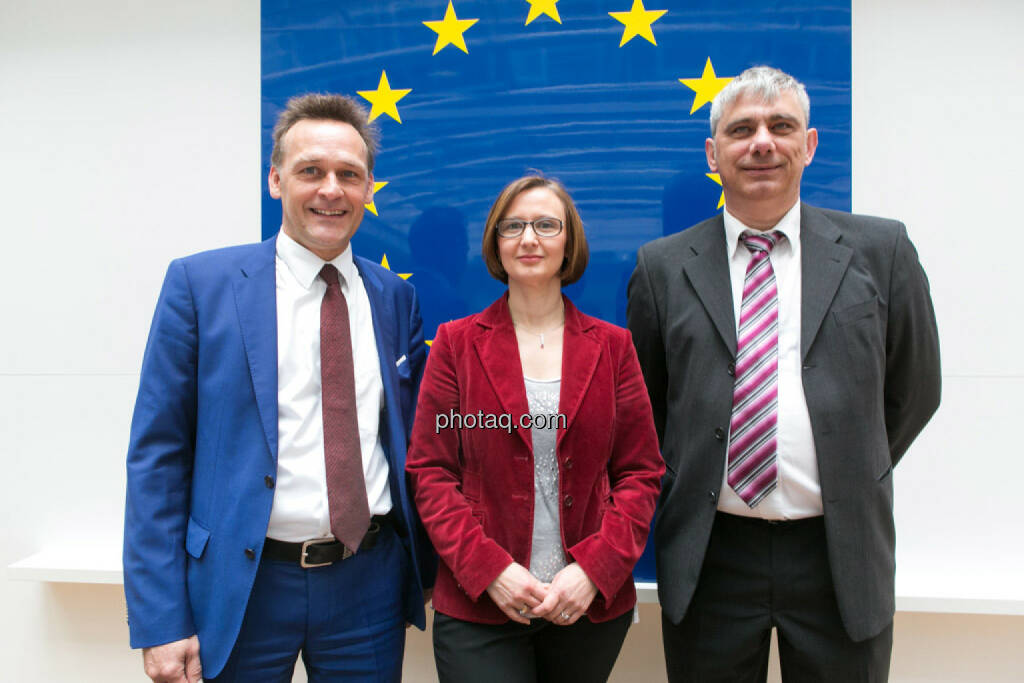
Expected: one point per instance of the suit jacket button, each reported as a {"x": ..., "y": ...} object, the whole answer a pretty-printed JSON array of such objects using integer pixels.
[
  {"x": 250, "y": 553},
  {"x": 568, "y": 463},
  {"x": 732, "y": 369},
  {"x": 713, "y": 496},
  {"x": 568, "y": 501},
  {"x": 269, "y": 481},
  {"x": 719, "y": 433}
]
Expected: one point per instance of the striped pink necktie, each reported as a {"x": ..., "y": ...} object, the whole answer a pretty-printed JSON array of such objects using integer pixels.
[{"x": 753, "y": 469}]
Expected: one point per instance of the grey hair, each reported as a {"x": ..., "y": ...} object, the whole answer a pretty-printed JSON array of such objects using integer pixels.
[{"x": 764, "y": 81}]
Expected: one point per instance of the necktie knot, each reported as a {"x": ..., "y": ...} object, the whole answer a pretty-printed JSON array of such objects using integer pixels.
[
  {"x": 329, "y": 274},
  {"x": 761, "y": 242}
]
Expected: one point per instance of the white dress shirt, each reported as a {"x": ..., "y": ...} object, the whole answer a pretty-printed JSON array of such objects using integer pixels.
[
  {"x": 300, "y": 511},
  {"x": 798, "y": 492}
]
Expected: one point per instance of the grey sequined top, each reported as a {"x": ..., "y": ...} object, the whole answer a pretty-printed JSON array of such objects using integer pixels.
[{"x": 547, "y": 557}]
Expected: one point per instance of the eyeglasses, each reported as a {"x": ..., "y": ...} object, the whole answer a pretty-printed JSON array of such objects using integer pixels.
[{"x": 543, "y": 227}]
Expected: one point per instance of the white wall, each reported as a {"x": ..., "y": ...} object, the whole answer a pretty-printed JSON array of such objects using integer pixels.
[
  {"x": 132, "y": 138},
  {"x": 130, "y": 135},
  {"x": 936, "y": 105}
]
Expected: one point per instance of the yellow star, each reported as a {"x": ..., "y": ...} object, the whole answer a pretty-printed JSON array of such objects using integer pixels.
[
  {"x": 539, "y": 7},
  {"x": 450, "y": 29},
  {"x": 384, "y": 98},
  {"x": 430, "y": 342},
  {"x": 384, "y": 262},
  {"x": 372, "y": 206},
  {"x": 705, "y": 87},
  {"x": 718, "y": 179},
  {"x": 638, "y": 22}
]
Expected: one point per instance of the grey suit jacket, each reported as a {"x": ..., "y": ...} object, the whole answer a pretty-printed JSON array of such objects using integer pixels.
[{"x": 870, "y": 374}]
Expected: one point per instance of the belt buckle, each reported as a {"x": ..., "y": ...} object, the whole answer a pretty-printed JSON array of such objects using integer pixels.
[{"x": 305, "y": 549}]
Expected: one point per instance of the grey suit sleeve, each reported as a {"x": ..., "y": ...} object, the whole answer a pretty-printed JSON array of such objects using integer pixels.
[
  {"x": 644, "y": 324},
  {"x": 912, "y": 372}
]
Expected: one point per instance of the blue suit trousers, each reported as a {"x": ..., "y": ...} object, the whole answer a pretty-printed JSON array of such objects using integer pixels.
[{"x": 347, "y": 620}]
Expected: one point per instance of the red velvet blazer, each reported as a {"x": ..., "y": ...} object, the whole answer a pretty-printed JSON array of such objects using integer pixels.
[{"x": 474, "y": 487}]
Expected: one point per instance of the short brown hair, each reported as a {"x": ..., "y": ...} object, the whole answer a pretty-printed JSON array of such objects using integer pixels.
[
  {"x": 327, "y": 107},
  {"x": 576, "y": 251}
]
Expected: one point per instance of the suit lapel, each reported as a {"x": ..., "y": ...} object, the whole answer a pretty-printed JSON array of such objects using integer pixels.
[
  {"x": 580, "y": 354},
  {"x": 498, "y": 353},
  {"x": 823, "y": 261},
  {"x": 708, "y": 272},
  {"x": 255, "y": 288},
  {"x": 385, "y": 335},
  {"x": 384, "y": 331}
]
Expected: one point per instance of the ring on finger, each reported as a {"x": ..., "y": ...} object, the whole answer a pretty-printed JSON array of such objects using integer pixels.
[
  {"x": 565, "y": 615},
  {"x": 522, "y": 611}
]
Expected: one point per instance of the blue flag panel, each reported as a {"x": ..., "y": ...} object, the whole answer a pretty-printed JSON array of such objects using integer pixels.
[{"x": 612, "y": 98}]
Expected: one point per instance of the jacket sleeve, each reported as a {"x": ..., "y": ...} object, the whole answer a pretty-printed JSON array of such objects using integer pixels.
[
  {"x": 642, "y": 321},
  {"x": 159, "y": 471},
  {"x": 417, "y": 360},
  {"x": 634, "y": 473},
  {"x": 435, "y": 468},
  {"x": 913, "y": 380}
]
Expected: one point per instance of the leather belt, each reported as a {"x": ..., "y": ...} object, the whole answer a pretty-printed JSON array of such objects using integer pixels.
[
  {"x": 320, "y": 552},
  {"x": 761, "y": 522}
]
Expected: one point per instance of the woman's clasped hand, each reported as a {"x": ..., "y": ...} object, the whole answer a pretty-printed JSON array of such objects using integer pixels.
[{"x": 521, "y": 596}]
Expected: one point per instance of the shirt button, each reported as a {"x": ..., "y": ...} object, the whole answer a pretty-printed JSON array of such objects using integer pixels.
[
  {"x": 719, "y": 433},
  {"x": 568, "y": 501},
  {"x": 269, "y": 481},
  {"x": 250, "y": 553}
]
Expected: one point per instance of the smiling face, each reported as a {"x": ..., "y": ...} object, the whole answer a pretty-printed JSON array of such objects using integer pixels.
[
  {"x": 761, "y": 149},
  {"x": 530, "y": 260},
  {"x": 323, "y": 184}
]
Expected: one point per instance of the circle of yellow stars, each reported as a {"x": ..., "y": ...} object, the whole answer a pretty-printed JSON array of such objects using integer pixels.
[
  {"x": 450, "y": 30},
  {"x": 638, "y": 21}
]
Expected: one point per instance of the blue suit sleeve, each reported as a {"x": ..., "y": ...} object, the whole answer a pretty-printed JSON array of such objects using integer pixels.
[
  {"x": 159, "y": 468},
  {"x": 418, "y": 359}
]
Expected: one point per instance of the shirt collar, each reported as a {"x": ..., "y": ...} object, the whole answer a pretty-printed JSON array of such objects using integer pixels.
[
  {"x": 306, "y": 266},
  {"x": 788, "y": 225}
]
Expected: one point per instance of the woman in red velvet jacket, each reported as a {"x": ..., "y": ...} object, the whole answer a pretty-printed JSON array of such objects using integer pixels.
[{"x": 538, "y": 526}]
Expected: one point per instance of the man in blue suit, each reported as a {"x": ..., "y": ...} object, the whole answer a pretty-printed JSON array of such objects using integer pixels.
[{"x": 267, "y": 510}]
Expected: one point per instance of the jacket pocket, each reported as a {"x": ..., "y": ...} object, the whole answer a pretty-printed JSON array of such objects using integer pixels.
[
  {"x": 471, "y": 486},
  {"x": 196, "y": 538},
  {"x": 852, "y": 314},
  {"x": 402, "y": 368}
]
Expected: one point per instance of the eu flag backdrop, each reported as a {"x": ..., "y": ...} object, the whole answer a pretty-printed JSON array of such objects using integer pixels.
[{"x": 610, "y": 97}]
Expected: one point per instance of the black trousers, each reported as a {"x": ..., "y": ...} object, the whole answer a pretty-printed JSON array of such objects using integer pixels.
[
  {"x": 542, "y": 652},
  {"x": 758, "y": 575}
]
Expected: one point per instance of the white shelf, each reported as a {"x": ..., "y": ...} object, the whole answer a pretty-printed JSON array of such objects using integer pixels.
[
  {"x": 98, "y": 564},
  {"x": 990, "y": 595},
  {"x": 971, "y": 599}
]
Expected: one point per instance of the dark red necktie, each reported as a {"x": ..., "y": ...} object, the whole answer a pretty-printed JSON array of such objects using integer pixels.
[{"x": 346, "y": 486}]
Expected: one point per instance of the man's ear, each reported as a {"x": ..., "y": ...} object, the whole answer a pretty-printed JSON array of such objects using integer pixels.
[
  {"x": 709, "y": 151},
  {"x": 368, "y": 194},
  {"x": 274, "y": 182},
  {"x": 812, "y": 144}
]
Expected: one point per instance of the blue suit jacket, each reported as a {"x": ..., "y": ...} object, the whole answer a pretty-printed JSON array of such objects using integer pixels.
[{"x": 204, "y": 442}]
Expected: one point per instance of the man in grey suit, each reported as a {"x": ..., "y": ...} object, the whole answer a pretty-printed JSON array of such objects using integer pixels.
[{"x": 791, "y": 357}]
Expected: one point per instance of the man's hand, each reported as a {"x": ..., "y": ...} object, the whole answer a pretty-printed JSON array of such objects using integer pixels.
[
  {"x": 516, "y": 592},
  {"x": 569, "y": 595},
  {"x": 176, "y": 662}
]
